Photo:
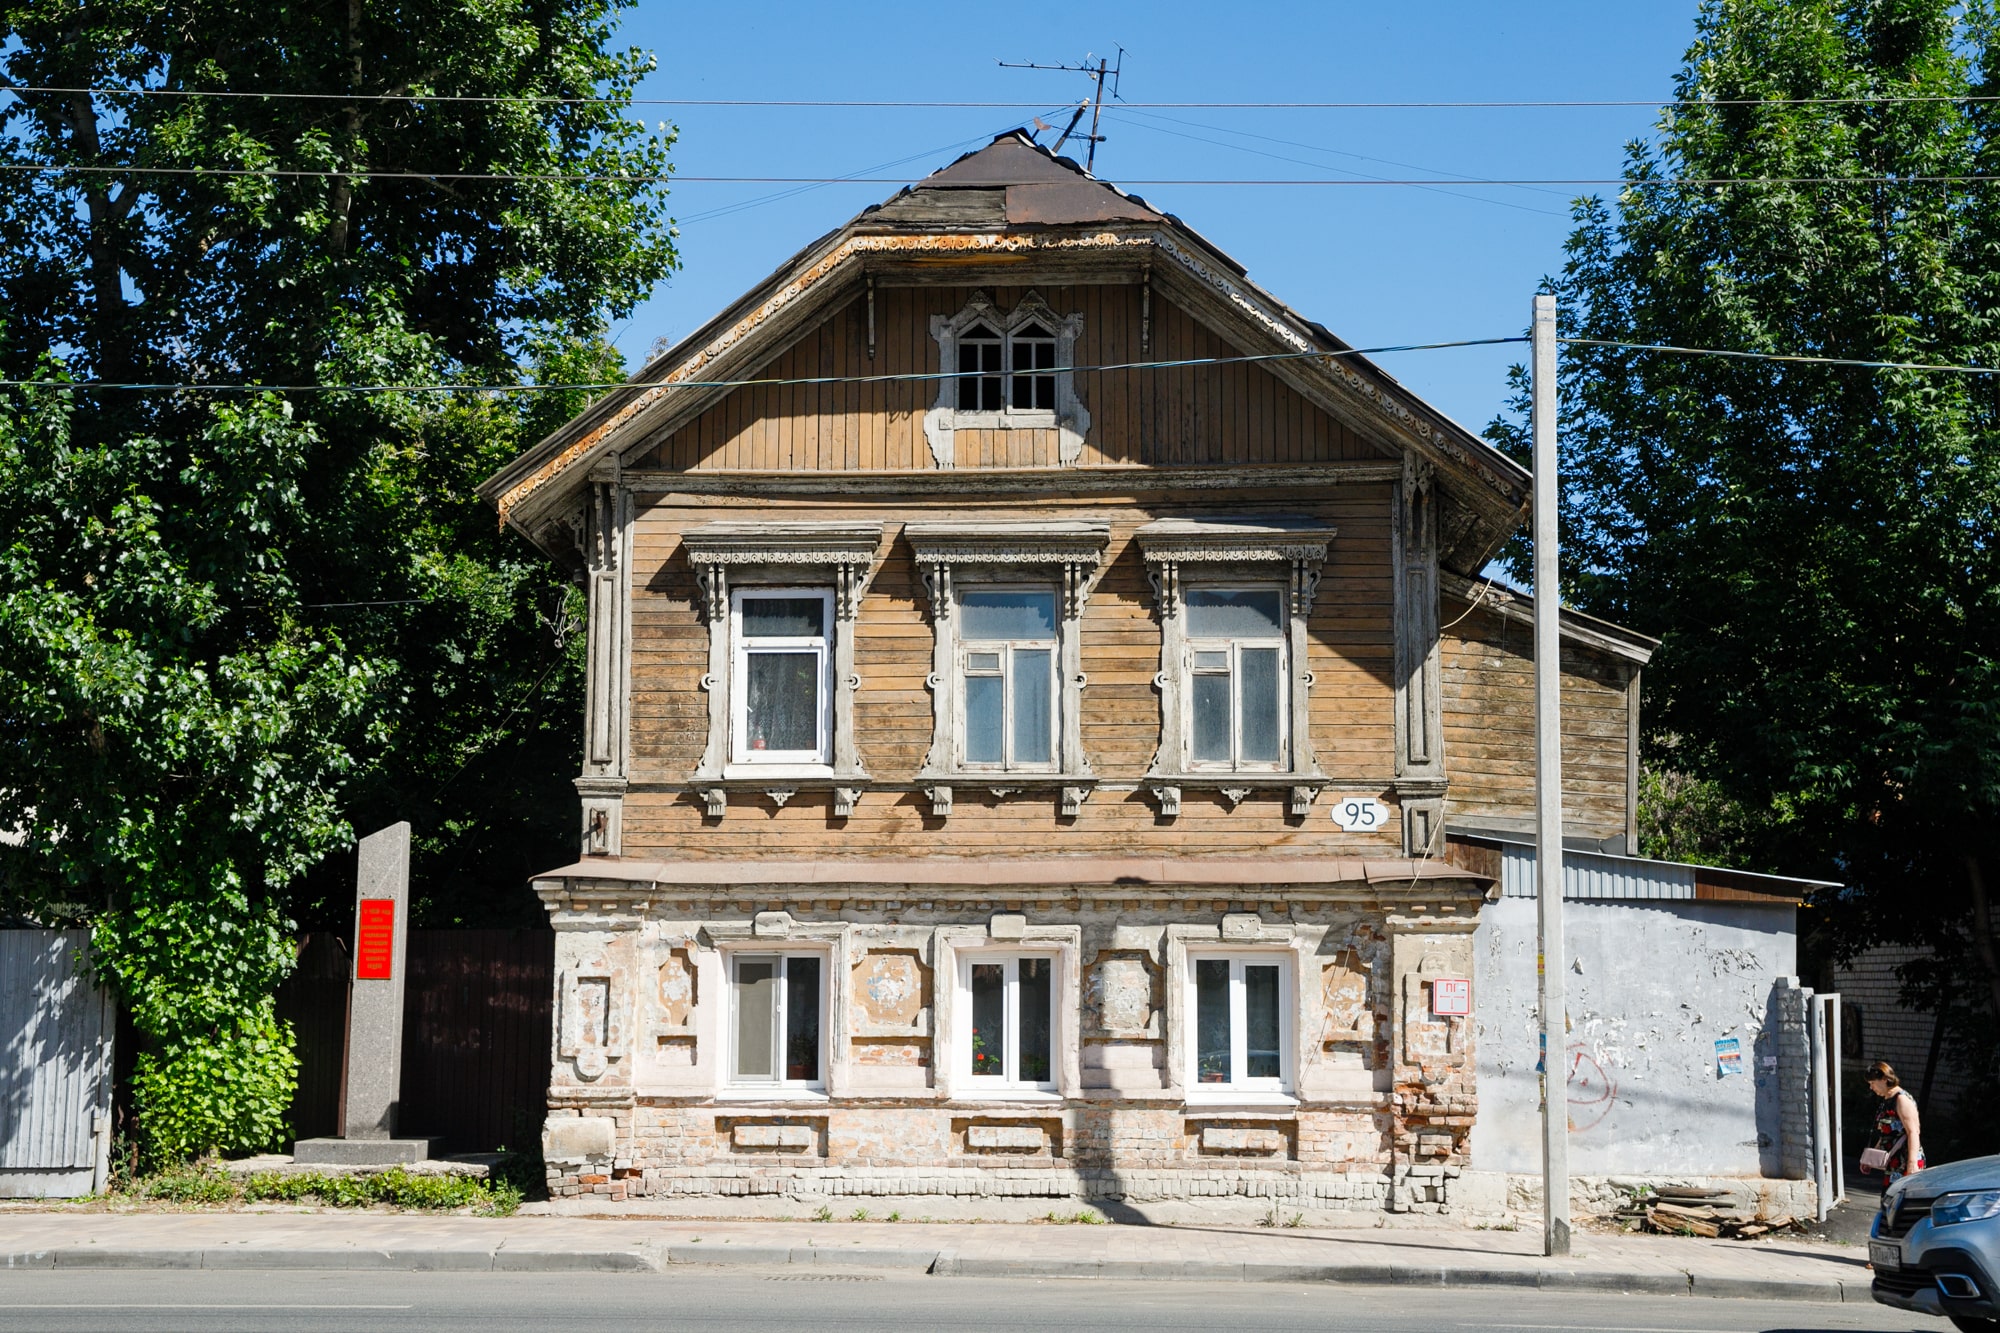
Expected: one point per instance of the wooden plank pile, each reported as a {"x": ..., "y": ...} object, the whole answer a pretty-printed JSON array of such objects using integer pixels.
[{"x": 1686, "y": 1211}]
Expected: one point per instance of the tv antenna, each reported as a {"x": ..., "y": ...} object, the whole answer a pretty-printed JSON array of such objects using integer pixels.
[{"x": 1100, "y": 71}]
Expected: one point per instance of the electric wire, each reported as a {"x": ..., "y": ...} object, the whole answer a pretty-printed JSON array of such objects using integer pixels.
[
  {"x": 1880, "y": 99},
  {"x": 1438, "y": 188},
  {"x": 605, "y": 386},
  {"x": 764, "y": 382},
  {"x": 1798, "y": 358},
  {"x": 367, "y": 174}
]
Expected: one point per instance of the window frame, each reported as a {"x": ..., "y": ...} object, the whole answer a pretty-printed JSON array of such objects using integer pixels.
[
  {"x": 1192, "y": 644},
  {"x": 732, "y": 1080},
  {"x": 1246, "y": 1088},
  {"x": 963, "y": 646},
  {"x": 969, "y": 1084},
  {"x": 739, "y": 679},
  {"x": 1032, "y": 323}
]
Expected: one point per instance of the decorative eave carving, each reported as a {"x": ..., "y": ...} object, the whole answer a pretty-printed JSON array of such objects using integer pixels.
[
  {"x": 1170, "y": 543},
  {"x": 1074, "y": 548},
  {"x": 1009, "y": 543},
  {"x": 847, "y": 549}
]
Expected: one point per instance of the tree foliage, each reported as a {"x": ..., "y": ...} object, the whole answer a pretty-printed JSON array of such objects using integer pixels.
[
  {"x": 1814, "y": 544},
  {"x": 233, "y": 627}
]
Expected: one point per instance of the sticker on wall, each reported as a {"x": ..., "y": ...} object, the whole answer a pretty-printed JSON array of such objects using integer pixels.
[
  {"x": 1728, "y": 1057},
  {"x": 1360, "y": 814},
  {"x": 1451, "y": 997}
]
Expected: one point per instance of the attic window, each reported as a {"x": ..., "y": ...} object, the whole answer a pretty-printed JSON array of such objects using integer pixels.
[
  {"x": 1006, "y": 370},
  {"x": 979, "y": 362},
  {"x": 1033, "y": 351}
]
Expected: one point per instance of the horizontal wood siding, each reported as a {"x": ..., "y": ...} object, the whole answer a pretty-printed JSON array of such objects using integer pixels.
[
  {"x": 1186, "y": 415},
  {"x": 1489, "y": 727},
  {"x": 1352, "y": 717}
]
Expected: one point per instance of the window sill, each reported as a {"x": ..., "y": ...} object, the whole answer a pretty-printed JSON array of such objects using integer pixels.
[
  {"x": 1010, "y": 1096},
  {"x": 1006, "y": 419},
  {"x": 755, "y": 772},
  {"x": 1247, "y": 1101},
  {"x": 775, "y": 1097}
]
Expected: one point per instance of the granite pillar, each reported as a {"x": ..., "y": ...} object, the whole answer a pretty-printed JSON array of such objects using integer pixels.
[{"x": 372, "y": 1085}]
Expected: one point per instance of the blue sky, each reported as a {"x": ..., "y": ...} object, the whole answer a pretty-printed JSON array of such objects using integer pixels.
[{"x": 1377, "y": 264}]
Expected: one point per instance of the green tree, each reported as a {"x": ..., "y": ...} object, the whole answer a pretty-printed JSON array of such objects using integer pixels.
[
  {"x": 1814, "y": 544},
  {"x": 234, "y": 627}
]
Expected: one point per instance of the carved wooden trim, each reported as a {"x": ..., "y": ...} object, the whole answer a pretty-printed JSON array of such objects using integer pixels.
[
  {"x": 738, "y": 553},
  {"x": 1294, "y": 549},
  {"x": 1071, "y": 555},
  {"x": 1070, "y": 419}
]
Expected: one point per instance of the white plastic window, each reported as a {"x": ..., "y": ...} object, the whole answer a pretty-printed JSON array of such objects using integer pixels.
[
  {"x": 1236, "y": 678},
  {"x": 1240, "y": 1028},
  {"x": 1007, "y": 1021},
  {"x": 1007, "y": 663},
  {"x": 775, "y": 1032},
  {"x": 782, "y": 679}
]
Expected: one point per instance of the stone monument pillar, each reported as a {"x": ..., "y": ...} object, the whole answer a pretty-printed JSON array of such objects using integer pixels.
[{"x": 371, "y": 1085}]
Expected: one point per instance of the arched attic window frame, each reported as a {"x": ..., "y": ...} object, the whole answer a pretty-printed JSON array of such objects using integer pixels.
[{"x": 1035, "y": 390}]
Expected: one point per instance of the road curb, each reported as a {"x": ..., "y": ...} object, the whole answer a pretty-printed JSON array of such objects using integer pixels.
[{"x": 938, "y": 1263}]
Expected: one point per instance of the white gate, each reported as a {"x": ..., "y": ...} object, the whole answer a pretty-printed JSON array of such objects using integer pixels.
[{"x": 55, "y": 1068}]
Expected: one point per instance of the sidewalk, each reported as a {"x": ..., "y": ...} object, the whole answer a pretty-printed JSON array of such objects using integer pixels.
[{"x": 280, "y": 1238}]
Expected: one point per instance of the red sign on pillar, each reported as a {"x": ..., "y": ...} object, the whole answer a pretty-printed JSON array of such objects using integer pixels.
[{"x": 375, "y": 941}]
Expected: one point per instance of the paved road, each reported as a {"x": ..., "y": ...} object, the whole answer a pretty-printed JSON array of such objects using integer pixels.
[{"x": 736, "y": 1299}]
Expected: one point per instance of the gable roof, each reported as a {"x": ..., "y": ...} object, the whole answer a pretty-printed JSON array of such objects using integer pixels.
[{"x": 1009, "y": 201}]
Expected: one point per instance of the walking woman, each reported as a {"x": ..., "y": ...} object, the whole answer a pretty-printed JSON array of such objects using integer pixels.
[{"x": 1898, "y": 1145}]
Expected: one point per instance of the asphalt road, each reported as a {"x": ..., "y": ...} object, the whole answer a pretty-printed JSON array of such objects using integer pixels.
[{"x": 737, "y": 1299}]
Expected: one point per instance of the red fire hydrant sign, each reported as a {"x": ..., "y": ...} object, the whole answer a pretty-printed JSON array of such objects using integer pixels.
[
  {"x": 1451, "y": 997},
  {"x": 375, "y": 940}
]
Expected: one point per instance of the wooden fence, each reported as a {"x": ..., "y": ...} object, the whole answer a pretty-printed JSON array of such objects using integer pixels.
[{"x": 476, "y": 1014}]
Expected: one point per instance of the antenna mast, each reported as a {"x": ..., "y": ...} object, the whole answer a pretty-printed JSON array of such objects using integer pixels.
[{"x": 1099, "y": 72}]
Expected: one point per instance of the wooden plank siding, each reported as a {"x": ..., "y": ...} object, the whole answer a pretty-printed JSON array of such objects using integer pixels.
[
  {"x": 1352, "y": 658},
  {"x": 1489, "y": 727},
  {"x": 1212, "y": 414}
]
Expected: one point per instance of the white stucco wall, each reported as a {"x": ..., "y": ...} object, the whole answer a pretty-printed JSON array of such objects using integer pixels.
[{"x": 1652, "y": 986}]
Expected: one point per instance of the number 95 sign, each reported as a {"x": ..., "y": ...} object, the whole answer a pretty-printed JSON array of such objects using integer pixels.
[{"x": 1360, "y": 814}]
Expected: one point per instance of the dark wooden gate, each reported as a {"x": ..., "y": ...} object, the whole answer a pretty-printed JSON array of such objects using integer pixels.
[
  {"x": 313, "y": 999},
  {"x": 476, "y": 1014},
  {"x": 476, "y": 1036}
]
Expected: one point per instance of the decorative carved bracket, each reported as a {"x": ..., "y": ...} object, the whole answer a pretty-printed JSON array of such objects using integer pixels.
[
  {"x": 940, "y": 798},
  {"x": 717, "y": 801},
  {"x": 1302, "y": 799},
  {"x": 1169, "y": 799},
  {"x": 1072, "y": 802}
]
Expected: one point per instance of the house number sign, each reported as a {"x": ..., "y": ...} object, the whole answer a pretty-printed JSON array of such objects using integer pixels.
[
  {"x": 1360, "y": 814},
  {"x": 375, "y": 940}
]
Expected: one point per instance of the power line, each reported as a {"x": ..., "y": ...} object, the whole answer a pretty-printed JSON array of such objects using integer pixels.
[
  {"x": 1884, "y": 99},
  {"x": 769, "y": 382},
  {"x": 1792, "y": 357},
  {"x": 1439, "y": 188},
  {"x": 353, "y": 173}
]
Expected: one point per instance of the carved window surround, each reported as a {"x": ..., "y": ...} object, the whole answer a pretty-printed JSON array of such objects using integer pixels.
[
  {"x": 739, "y": 554},
  {"x": 1069, "y": 556},
  {"x": 1069, "y": 418},
  {"x": 1287, "y": 551}
]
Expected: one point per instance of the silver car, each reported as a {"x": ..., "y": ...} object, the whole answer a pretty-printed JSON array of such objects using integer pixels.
[{"x": 1935, "y": 1245}]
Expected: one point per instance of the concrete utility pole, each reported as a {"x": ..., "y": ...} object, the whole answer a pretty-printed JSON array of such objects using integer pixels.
[{"x": 1548, "y": 795}]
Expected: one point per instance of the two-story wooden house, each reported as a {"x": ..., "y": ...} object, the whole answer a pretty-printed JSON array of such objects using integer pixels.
[{"x": 1030, "y": 670}]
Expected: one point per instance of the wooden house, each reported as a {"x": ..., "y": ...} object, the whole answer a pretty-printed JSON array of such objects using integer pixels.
[{"x": 1031, "y": 670}]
